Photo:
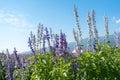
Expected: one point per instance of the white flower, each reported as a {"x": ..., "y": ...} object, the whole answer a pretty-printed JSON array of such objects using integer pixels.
[{"x": 75, "y": 53}]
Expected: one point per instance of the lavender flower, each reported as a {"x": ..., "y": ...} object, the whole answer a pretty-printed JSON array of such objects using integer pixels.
[
  {"x": 61, "y": 43},
  {"x": 56, "y": 44},
  {"x": 44, "y": 49},
  {"x": 30, "y": 45},
  {"x": 47, "y": 34},
  {"x": 60, "y": 52},
  {"x": 65, "y": 43},
  {"x": 17, "y": 58},
  {"x": 48, "y": 38},
  {"x": 94, "y": 48},
  {"x": 61, "y": 39},
  {"x": 10, "y": 67},
  {"x": 10, "y": 71}
]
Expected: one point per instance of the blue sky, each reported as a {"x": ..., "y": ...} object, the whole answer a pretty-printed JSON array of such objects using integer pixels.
[{"x": 19, "y": 17}]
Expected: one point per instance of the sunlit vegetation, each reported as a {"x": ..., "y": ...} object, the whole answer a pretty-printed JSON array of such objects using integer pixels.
[{"x": 52, "y": 59}]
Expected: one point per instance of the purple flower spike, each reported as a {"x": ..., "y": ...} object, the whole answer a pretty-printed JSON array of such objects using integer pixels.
[
  {"x": 30, "y": 45},
  {"x": 44, "y": 49},
  {"x": 61, "y": 40},
  {"x": 65, "y": 43},
  {"x": 10, "y": 70},
  {"x": 60, "y": 52},
  {"x": 47, "y": 34},
  {"x": 94, "y": 48},
  {"x": 56, "y": 41},
  {"x": 17, "y": 57},
  {"x": 48, "y": 38}
]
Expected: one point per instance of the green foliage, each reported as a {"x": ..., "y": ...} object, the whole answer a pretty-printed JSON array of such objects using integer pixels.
[
  {"x": 49, "y": 68},
  {"x": 102, "y": 65},
  {"x": 2, "y": 71}
]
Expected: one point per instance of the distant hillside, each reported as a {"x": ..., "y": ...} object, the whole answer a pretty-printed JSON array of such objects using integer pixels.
[{"x": 101, "y": 39}]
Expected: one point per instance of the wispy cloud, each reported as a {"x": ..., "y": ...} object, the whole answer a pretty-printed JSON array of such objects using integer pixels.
[
  {"x": 117, "y": 21},
  {"x": 15, "y": 19}
]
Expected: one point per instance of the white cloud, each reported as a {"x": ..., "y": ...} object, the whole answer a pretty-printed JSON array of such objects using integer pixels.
[
  {"x": 117, "y": 21},
  {"x": 14, "y": 19}
]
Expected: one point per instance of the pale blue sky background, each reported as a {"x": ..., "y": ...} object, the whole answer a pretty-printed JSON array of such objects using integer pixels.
[{"x": 19, "y": 17}]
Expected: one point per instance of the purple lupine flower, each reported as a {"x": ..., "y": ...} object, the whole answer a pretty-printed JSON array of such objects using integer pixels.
[
  {"x": 33, "y": 41},
  {"x": 60, "y": 51},
  {"x": 61, "y": 41},
  {"x": 47, "y": 34},
  {"x": 48, "y": 38},
  {"x": 65, "y": 43},
  {"x": 44, "y": 49},
  {"x": 30, "y": 45},
  {"x": 17, "y": 58},
  {"x": 56, "y": 45},
  {"x": 10, "y": 70},
  {"x": 9, "y": 67},
  {"x": 61, "y": 37},
  {"x": 94, "y": 48}
]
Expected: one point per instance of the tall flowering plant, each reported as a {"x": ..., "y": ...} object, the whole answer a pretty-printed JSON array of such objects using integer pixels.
[
  {"x": 106, "y": 29},
  {"x": 77, "y": 24},
  {"x": 39, "y": 37},
  {"x": 90, "y": 39},
  {"x": 96, "y": 38}
]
